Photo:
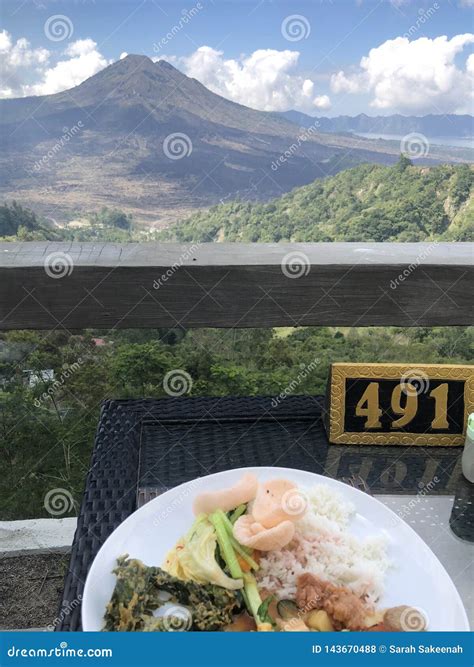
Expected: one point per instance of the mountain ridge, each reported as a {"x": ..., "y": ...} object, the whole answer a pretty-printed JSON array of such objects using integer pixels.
[
  {"x": 135, "y": 78},
  {"x": 129, "y": 118},
  {"x": 439, "y": 125}
]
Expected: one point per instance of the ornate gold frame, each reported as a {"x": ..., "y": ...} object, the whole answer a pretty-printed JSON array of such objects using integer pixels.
[{"x": 341, "y": 371}]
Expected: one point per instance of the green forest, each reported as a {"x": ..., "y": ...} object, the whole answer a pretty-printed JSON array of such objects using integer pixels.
[
  {"x": 48, "y": 419},
  {"x": 367, "y": 203}
]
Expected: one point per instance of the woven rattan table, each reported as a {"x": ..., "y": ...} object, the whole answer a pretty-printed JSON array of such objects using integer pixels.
[{"x": 144, "y": 447}]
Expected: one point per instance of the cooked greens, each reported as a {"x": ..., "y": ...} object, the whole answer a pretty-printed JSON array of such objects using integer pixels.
[{"x": 141, "y": 590}]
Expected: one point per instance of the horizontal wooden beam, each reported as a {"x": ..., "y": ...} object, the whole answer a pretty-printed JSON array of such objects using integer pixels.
[{"x": 106, "y": 285}]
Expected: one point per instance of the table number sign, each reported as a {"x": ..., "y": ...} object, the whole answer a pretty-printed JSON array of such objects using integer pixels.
[{"x": 398, "y": 404}]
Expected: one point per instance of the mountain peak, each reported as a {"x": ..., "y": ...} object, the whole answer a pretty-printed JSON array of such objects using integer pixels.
[
  {"x": 135, "y": 58},
  {"x": 165, "y": 65},
  {"x": 140, "y": 62},
  {"x": 132, "y": 62},
  {"x": 133, "y": 76},
  {"x": 133, "y": 66}
]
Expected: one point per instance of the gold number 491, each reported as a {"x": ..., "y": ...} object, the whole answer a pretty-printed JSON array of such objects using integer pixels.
[{"x": 369, "y": 405}]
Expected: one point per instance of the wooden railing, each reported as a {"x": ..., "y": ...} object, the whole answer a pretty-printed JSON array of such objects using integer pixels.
[{"x": 106, "y": 285}]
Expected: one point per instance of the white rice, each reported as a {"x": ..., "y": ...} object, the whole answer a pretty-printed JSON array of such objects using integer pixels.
[{"x": 323, "y": 546}]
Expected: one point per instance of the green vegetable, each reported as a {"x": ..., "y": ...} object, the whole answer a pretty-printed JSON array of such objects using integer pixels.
[
  {"x": 243, "y": 553},
  {"x": 196, "y": 557},
  {"x": 254, "y": 601},
  {"x": 287, "y": 609},
  {"x": 237, "y": 512},
  {"x": 137, "y": 595},
  {"x": 226, "y": 521},
  {"x": 263, "y": 611},
  {"x": 225, "y": 545},
  {"x": 253, "y": 598},
  {"x": 241, "y": 550}
]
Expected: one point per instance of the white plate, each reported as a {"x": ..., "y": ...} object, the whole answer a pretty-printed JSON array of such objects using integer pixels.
[{"x": 418, "y": 578}]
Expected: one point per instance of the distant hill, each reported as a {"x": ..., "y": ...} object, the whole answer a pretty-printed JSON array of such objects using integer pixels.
[
  {"x": 108, "y": 142},
  {"x": 366, "y": 203},
  {"x": 449, "y": 125}
]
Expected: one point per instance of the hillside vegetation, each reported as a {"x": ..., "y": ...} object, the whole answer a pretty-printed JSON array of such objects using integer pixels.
[
  {"x": 22, "y": 224},
  {"x": 366, "y": 203}
]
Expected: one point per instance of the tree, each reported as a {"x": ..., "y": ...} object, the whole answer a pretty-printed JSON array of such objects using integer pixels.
[
  {"x": 403, "y": 163},
  {"x": 14, "y": 216}
]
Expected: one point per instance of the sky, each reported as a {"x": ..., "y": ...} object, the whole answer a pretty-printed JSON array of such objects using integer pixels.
[{"x": 322, "y": 57}]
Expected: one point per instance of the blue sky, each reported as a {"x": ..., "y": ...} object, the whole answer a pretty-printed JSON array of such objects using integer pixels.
[{"x": 335, "y": 36}]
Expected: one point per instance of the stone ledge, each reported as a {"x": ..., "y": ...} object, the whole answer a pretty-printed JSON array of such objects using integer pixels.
[{"x": 18, "y": 538}]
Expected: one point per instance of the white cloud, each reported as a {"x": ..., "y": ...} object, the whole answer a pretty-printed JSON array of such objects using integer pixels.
[
  {"x": 83, "y": 61},
  {"x": 419, "y": 76},
  {"x": 263, "y": 80},
  {"x": 470, "y": 64},
  {"x": 27, "y": 71},
  {"x": 19, "y": 62},
  {"x": 322, "y": 102},
  {"x": 123, "y": 55}
]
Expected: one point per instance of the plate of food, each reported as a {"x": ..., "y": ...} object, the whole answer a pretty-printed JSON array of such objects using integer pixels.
[{"x": 268, "y": 549}]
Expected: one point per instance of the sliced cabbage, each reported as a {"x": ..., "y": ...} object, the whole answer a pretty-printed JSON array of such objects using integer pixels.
[{"x": 194, "y": 557}]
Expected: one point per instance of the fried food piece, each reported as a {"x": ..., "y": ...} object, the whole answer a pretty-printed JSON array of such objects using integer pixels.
[
  {"x": 227, "y": 499},
  {"x": 252, "y": 534},
  {"x": 241, "y": 623},
  {"x": 344, "y": 607},
  {"x": 404, "y": 619},
  {"x": 312, "y": 592},
  {"x": 277, "y": 501}
]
